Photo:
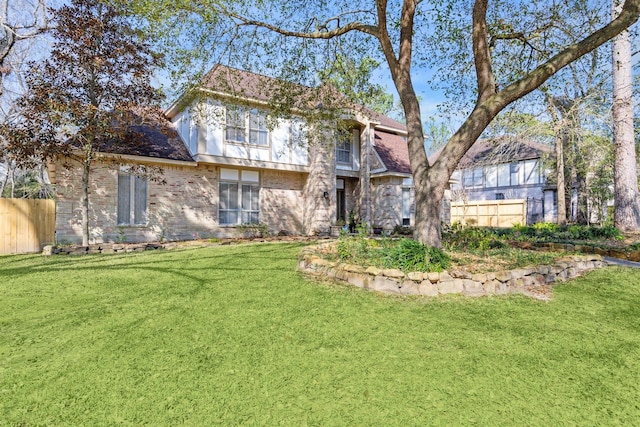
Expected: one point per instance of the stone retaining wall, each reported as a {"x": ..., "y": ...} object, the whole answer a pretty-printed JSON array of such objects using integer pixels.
[
  {"x": 620, "y": 253},
  {"x": 522, "y": 280},
  {"x": 110, "y": 248}
]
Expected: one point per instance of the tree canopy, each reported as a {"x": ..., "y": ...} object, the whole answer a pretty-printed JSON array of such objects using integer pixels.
[
  {"x": 93, "y": 86},
  {"x": 293, "y": 40}
]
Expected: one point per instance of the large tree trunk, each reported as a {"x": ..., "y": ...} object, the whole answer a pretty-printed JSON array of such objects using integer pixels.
[
  {"x": 431, "y": 181},
  {"x": 561, "y": 195},
  {"x": 582, "y": 205},
  {"x": 626, "y": 214},
  {"x": 84, "y": 201},
  {"x": 559, "y": 136}
]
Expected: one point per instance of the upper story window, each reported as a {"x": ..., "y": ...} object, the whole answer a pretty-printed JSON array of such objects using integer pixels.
[
  {"x": 258, "y": 132},
  {"x": 524, "y": 172},
  {"x": 247, "y": 125},
  {"x": 472, "y": 178},
  {"x": 297, "y": 132},
  {"x": 343, "y": 149}
]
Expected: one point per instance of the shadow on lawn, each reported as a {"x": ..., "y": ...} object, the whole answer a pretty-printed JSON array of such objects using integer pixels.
[{"x": 215, "y": 259}]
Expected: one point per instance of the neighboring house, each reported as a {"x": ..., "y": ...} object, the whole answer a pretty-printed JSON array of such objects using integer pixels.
[
  {"x": 226, "y": 162},
  {"x": 503, "y": 168}
]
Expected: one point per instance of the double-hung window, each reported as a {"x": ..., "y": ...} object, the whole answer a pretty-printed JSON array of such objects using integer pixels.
[
  {"x": 343, "y": 149},
  {"x": 132, "y": 199},
  {"x": 407, "y": 184},
  {"x": 236, "y": 125},
  {"x": 258, "y": 131},
  {"x": 239, "y": 197},
  {"x": 247, "y": 125}
]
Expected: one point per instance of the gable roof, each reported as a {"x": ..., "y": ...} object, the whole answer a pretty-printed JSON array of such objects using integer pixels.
[
  {"x": 393, "y": 151},
  {"x": 242, "y": 83},
  {"x": 498, "y": 150},
  {"x": 383, "y": 120},
  {"x": 246, "y": 85},
  {"x": 249, "y": 86}
]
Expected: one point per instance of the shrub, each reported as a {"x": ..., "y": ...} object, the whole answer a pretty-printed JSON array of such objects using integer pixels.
[
  {"x": 465, "y": 237},
  {"x": 410, "y": 255},
  {"x": 403, "y": 230},
  {"x": 353, "y": 248},
  {"x": 252, "y": 231},
  {"x": 546, "y": 226}
]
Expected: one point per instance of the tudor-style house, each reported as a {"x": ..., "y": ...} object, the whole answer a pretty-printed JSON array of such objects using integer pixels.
[
  {"x": 503, "y": 168},
  {"x": 227, "y": 162}
]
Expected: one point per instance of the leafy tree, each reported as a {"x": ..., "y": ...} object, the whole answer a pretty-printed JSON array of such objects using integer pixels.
[
  {"x": 93, "y": 85},
  {"x": 20, "y": 21},
  {"x": 295, "y": 37},
  {"x": 353, "y": 79}
]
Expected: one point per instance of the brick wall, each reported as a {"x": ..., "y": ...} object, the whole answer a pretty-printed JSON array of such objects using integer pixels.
[
  {"x": 318, "y": 211},
  {"x": 281, "y": 201},
  {"x": 185, "y": 207},
  {"x": 387, "y": 202}
]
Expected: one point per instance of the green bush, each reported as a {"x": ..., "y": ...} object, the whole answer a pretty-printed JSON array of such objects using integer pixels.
[
  {"x": 402, "y": 230},
  {"x": 252, "y": 231},
  {"x": 467, "y": 237},
  {"x": 353, "y": 248},
  {"x": 410, "y": 255}
]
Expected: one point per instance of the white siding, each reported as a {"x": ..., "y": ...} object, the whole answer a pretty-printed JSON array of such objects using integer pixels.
[
  {"x": 215, "y": 130},
  {"x": 259, "y": 153},
  {"x": 280, "y": 150}
]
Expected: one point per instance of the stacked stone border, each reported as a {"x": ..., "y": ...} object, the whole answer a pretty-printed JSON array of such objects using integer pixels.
[
  {"x": 619, "y": 253},
  {"x": 525, "y": 281},
  {"x": 111, "y": 248}
]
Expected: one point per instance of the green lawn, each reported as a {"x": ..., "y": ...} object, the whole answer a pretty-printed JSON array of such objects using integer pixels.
[{"x": 233, "y": 335}]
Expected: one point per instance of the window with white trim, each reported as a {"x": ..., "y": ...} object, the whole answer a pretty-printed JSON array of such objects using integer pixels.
[
  {"x": 236, "y": 126},
  {"x": 473, "y": 178},
  {"x": 407, "y": 206},
  {"x": 132, "y": 199},
  {"x": 188, "y": 129},
  {"x": 343, "y": 148},
  {"x": 239, "y": 197},
  {"x": 246, "y": 125}
]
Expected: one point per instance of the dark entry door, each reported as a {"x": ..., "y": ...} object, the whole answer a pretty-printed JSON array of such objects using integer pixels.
[{"x": 340, "y": 205}]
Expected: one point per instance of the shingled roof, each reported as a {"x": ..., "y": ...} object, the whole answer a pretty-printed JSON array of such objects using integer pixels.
[
  {"x": 158, "y": 141},
  {"x": 499, "y": 150},
  {"x": 393, "y": 151},
  {"x": 252, "y": 86},
  {"x": 256, "y": 87}
]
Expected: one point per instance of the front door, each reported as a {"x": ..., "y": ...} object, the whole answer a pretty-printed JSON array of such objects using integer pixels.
[{"x": 340, "y": 205}]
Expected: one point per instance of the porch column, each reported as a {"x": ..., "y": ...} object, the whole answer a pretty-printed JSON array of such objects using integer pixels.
[{"x": 366, "y": 142}]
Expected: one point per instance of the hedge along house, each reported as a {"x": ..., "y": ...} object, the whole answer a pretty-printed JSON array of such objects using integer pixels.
[{"x": 228, "y": 161}]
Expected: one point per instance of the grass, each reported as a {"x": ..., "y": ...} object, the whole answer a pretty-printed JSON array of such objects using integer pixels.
[{"x": 232, "y": 335}]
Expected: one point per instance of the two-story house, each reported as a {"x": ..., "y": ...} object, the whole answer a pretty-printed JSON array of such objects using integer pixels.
[
  {"x": 227, "y": 161},
  {"x": 504, "y": 168}
]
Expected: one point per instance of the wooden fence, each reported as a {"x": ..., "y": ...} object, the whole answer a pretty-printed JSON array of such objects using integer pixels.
[
  {"x": 490, "y": 213},
  {"x": 26, "y": 225}
]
